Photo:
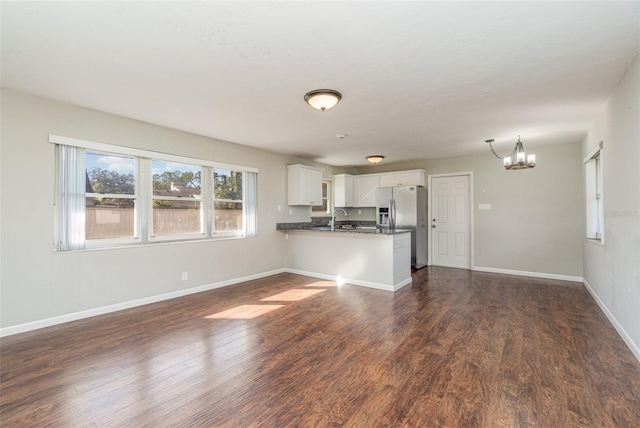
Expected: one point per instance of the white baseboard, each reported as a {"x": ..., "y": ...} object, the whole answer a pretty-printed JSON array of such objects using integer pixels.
[
  {"x": 34, "y": 325},
  {"x": 375, "y": 285},
  {"x": 621, "y": 331},
  {"x": 529, "y": 274}
]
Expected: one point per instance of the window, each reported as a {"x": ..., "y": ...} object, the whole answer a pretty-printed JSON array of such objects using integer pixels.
[
  {"x": 109, "y": 196},
  {"x": 177, "y": 199},
  {"x": 325, "y": 208},
  {"x": 227, "y": 201},
  {"x": 594, "y": 194}
]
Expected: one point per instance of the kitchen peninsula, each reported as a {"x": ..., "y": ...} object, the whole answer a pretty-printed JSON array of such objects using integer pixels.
[{"x": 369, "y": 257}]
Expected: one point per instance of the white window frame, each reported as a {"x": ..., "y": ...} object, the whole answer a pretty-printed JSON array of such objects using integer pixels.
[
  {"x": 114, "y": 242},
  {"x": 329, "y": 198},
  {"x": 144, "y": 196},
  {"x": 594, "y": 195},
  {"x": 231, "y": 233},
  {"x": 203, "y": 208}
]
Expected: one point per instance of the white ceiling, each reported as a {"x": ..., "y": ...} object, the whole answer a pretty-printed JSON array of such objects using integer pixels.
[{"x": 418, "y": 79}]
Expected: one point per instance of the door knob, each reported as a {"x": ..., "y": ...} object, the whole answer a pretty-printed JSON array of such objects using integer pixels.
[{"x": 433, "y": 226}]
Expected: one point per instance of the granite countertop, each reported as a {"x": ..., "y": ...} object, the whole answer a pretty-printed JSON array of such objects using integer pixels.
[
  {"x": 309, "y": 227},
  {"x": 373, "y": 231}
]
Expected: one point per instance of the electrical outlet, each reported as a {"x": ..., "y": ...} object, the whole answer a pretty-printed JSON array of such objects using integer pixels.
[
  {"x": 290, "y": 211},
  {"x": 185, "y": 276}
]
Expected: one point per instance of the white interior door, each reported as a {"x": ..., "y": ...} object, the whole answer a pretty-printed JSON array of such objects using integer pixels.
[{"x": 450, "y": 221}]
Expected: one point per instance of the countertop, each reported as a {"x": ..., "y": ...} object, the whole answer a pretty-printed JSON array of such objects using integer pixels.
[{"x": 361, "y": 230}]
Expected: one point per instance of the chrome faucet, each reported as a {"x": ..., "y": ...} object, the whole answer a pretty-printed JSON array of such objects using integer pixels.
[{"x": 333, "y": 218}]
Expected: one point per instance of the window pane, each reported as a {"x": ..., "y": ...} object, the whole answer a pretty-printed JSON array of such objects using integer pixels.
[
  {"x": 108, "y": 173},
  {"x": 176, "y": 179},
  {"x": 320, "y": 208},
  {"x": 325, "y": 200},
  {"x": 227, "y": 184},
  {"x": 109, "y": 218},
  {"x": 176, "y": 217},
  {"x": 228, "y": 216}
]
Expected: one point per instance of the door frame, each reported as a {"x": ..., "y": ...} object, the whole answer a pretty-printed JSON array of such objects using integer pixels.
[{"x": 430, "y": 178}]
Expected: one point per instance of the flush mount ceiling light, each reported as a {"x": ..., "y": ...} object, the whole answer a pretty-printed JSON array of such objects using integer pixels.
[
  {"x": 517, "y": 159},
  {"x": 322, "y": 99},
  {"x": 374, "y": 159}
]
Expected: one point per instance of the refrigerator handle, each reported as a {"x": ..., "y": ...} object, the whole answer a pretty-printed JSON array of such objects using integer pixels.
[{"x": 392, "y": 214}]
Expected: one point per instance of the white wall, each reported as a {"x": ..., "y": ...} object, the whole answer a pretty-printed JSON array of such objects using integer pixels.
[
  {"x": 38, "y": 284},
  {"x": 536, "y": 219},
  {"x": 612, "y": 270}
]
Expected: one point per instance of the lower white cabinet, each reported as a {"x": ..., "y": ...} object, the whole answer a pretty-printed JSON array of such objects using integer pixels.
[
  {"x": 375, "y": 260},
  {"x": 305, "y": 185}
]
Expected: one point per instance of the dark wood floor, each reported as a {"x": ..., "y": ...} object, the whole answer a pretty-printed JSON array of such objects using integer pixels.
[{"x": 455, "y": 349}]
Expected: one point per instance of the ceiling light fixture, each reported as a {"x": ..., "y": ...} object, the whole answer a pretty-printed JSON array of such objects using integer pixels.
[
  {"x": 374, "y": 159},
  {"x": 322, "y": 99},
  {"x": 517, "y": 159}
]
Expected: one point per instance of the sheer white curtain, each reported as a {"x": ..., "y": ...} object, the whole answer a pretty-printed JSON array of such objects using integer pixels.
[
  {"x": 71, "y": 181},
  {"x": 250, "y": 203}
]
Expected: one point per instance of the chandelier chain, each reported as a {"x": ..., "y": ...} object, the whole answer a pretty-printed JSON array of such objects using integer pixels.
[{"x": 497, "y": 155}]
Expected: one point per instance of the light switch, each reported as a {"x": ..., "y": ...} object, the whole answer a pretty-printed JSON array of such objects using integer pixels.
[{"x": 484, "y": 207}]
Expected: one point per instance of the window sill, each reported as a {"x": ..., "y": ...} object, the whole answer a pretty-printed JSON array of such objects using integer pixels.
[
  {"x": 596, "y": 241},
  {"x": 153, "y": 244}
]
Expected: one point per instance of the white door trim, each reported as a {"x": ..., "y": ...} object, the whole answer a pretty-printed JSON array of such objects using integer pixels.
[{"x": 430, "y": 177}]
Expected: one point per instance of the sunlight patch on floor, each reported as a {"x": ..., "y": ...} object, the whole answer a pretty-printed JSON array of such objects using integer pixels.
[
  {"x": 292, "y": 295},
  {"x": 322, "y": 284},
  {"x": 254, "y": 311},
  {"x": 245, "y": 312}
]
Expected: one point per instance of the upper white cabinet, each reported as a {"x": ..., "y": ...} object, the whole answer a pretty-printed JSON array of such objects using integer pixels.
[
  {"x": 343, "y": 190},
  {"x": 364, "y": 189},
  {"x": 305, "y": 185},
  {"x": 414, "y": 177}
]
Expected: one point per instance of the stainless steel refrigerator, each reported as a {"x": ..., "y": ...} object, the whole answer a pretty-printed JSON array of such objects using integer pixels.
[{"x": 405, "y": 208}]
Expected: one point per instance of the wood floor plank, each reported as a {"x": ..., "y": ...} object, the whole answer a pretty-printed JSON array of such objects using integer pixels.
[{"x": 456, "y": 348}]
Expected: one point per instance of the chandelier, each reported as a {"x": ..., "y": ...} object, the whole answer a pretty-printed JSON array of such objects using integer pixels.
[{"x": 517, "y": 159}]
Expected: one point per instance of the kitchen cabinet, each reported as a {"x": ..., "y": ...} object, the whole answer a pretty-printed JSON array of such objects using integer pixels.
[
  {"x": 375, "y": 260},
  {"x": 364, "y": 189},
  {"x": 343, "y": 190},
  {"x": 305, "y": 185},
  {"x": 415, "y": 177}
]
